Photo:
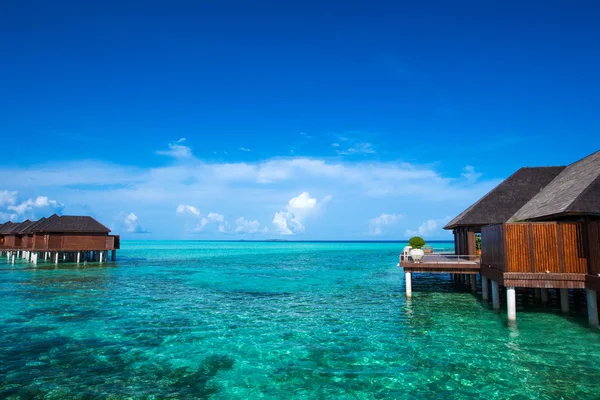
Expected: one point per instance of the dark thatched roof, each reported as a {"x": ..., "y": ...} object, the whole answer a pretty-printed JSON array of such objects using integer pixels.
[
  {"x": 505, "y": 199},
  {"x": 6, "y": 227},
  {"x": 54, "y": 223},
  {"x": 17, "y": 226},
  {"x": 74, "y": 224},
  {"x": 575, "y": 191},
  {"x": 23, "y": 226}
]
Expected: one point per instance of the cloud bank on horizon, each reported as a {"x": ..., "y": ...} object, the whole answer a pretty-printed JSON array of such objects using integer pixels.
[{"x": 294, "y": 197}]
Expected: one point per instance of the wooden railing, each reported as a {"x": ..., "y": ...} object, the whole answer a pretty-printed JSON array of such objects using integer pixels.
[{"x": 443, "y": 259}]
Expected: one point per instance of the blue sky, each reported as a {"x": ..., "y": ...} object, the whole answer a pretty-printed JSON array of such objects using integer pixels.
[{"x": 296, "y": 120}]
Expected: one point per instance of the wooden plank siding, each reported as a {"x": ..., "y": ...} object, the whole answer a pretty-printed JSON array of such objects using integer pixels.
[
  {"x": 492, "y": 243},
  {"x": 536, "y": 247},
  {"x": 75, "y": 242},
  {"x": 593, "y": 243}
]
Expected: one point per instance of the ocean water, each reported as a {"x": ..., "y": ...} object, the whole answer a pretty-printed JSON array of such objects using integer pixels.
[{"x": 245, "y": 320}]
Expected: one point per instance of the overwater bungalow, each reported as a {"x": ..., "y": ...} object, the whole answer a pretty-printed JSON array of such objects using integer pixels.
[
  {"x": 540, "y": 229},
  {"x": 64, "y": 238}
]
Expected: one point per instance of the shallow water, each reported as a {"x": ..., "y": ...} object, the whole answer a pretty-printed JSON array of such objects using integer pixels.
[{"x": 276, "y": 320}]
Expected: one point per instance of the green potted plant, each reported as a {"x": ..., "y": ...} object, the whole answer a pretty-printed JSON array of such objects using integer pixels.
[{"x": 417, "y": 243}]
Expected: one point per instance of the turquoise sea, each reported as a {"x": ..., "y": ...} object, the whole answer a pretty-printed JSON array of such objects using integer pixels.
[{"x": 276, "y": 320}]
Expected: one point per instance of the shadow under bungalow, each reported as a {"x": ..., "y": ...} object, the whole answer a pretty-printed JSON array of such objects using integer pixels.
[
  {"x": 58, "y": 238},
  {"x": 540, "y": 229}
]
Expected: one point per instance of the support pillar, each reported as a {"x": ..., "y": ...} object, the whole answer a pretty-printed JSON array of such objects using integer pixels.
[
  {"x": 564, "y": 300},
  {"x": 545, "y": 296},
  {"x": 56, "y": 258},
  {"x": 511, "y": 304},
  {"x": 537, "y": 293},
  {"x": 45, "y": 256},
  {"x": 495, "y": 295},
  {"x": 78, "y": 257},
  {"x": 485, "y": 294},
  {"x": 408, "y": 283},
  {"x": 474, "y": 283},
  {"x": 114, "y": 255},
  {"x": 468, "y": 279},
  {"x": 100, "y": 256},
  {"x": 13, "y": 258},
  {"x": 592, "y": 306}
]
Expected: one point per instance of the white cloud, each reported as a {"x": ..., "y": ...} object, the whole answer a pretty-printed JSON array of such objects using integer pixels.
[
  {"x": 7, "y": 198},
  {"x": 358, "y": 148},
  {"x": 7, "y": 217},
  {"x": 244, "y": 149},
  {"x": 132, "y": 224},
  {"x": 469, "y": 174},
  {"x": 37, "y": 203},
  {"x": 244, "y": 226},
  {"x": 241, "y": 188},
  {"x": 186, "y": 209},
  {"x": 290, "y": 220},
  {"x": 376, "y": 224},
  {"x": 428, "y": 228},
  {"x": 212, "y": 218},
  {"x": 177, "y": 150}
]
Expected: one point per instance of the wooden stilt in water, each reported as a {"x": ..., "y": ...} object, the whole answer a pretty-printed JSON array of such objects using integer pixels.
[
  {"x": 511, "y": 304},
  {"x": 485, "y": 294},
  {"x": 564, "y": 300},
  {"x": 474, "y": 283},
  {"x": 592, "y": 306},
  {"x": 408, "y": 283},
  {"x": 544, "y": 295},
  {"x": 495, "y": 295}
]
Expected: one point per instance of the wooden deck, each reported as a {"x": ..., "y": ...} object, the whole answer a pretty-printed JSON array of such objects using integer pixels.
[{"x": 442, "y": 264}]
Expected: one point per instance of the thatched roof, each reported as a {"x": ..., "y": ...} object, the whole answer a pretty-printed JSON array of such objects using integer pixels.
[
  {"x": 505, "y": 199},
  {"x": 22, "y": 226},
  {"x": 575, "y": 191},
  {"x": 56, "y": 224},
  {"x": 6, "y": 227},
  {"x": 73, "y": 224}
]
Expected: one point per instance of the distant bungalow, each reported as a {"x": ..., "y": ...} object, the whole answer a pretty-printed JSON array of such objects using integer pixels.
[
  {"x": 64, "y": 238},
  {"x": 540, "y": 228}
]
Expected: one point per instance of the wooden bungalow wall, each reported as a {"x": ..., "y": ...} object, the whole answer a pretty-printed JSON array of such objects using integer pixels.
[
  {"x": 74, "y": 242},
  {"x": 593, "y": 233},
  {"x": 537, "y": 247},
  {"x": 464, "y": 241}
]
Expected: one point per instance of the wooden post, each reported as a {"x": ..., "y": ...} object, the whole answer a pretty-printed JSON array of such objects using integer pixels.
[
  {"x": 511, "y": 304},
  {"x": 474, "y": 283},
  {"x": 592, "y": 306},
  {"x": 564, "y": 300},
  {"x": 468, "y": 278},
  {"x": 538, "y": 293},
  {"x": 114, "y": 255},
  {"x": 495, "y": 295},
  {"x": 544, "y": 296},
  {"x": 408, "y": 283},
  {"x": 485, "y": 294}
]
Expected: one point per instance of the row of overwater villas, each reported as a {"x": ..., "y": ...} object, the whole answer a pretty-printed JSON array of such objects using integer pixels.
[
  {"x": 540, "y": 229},
  {"x": 58, "y": 238}
]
